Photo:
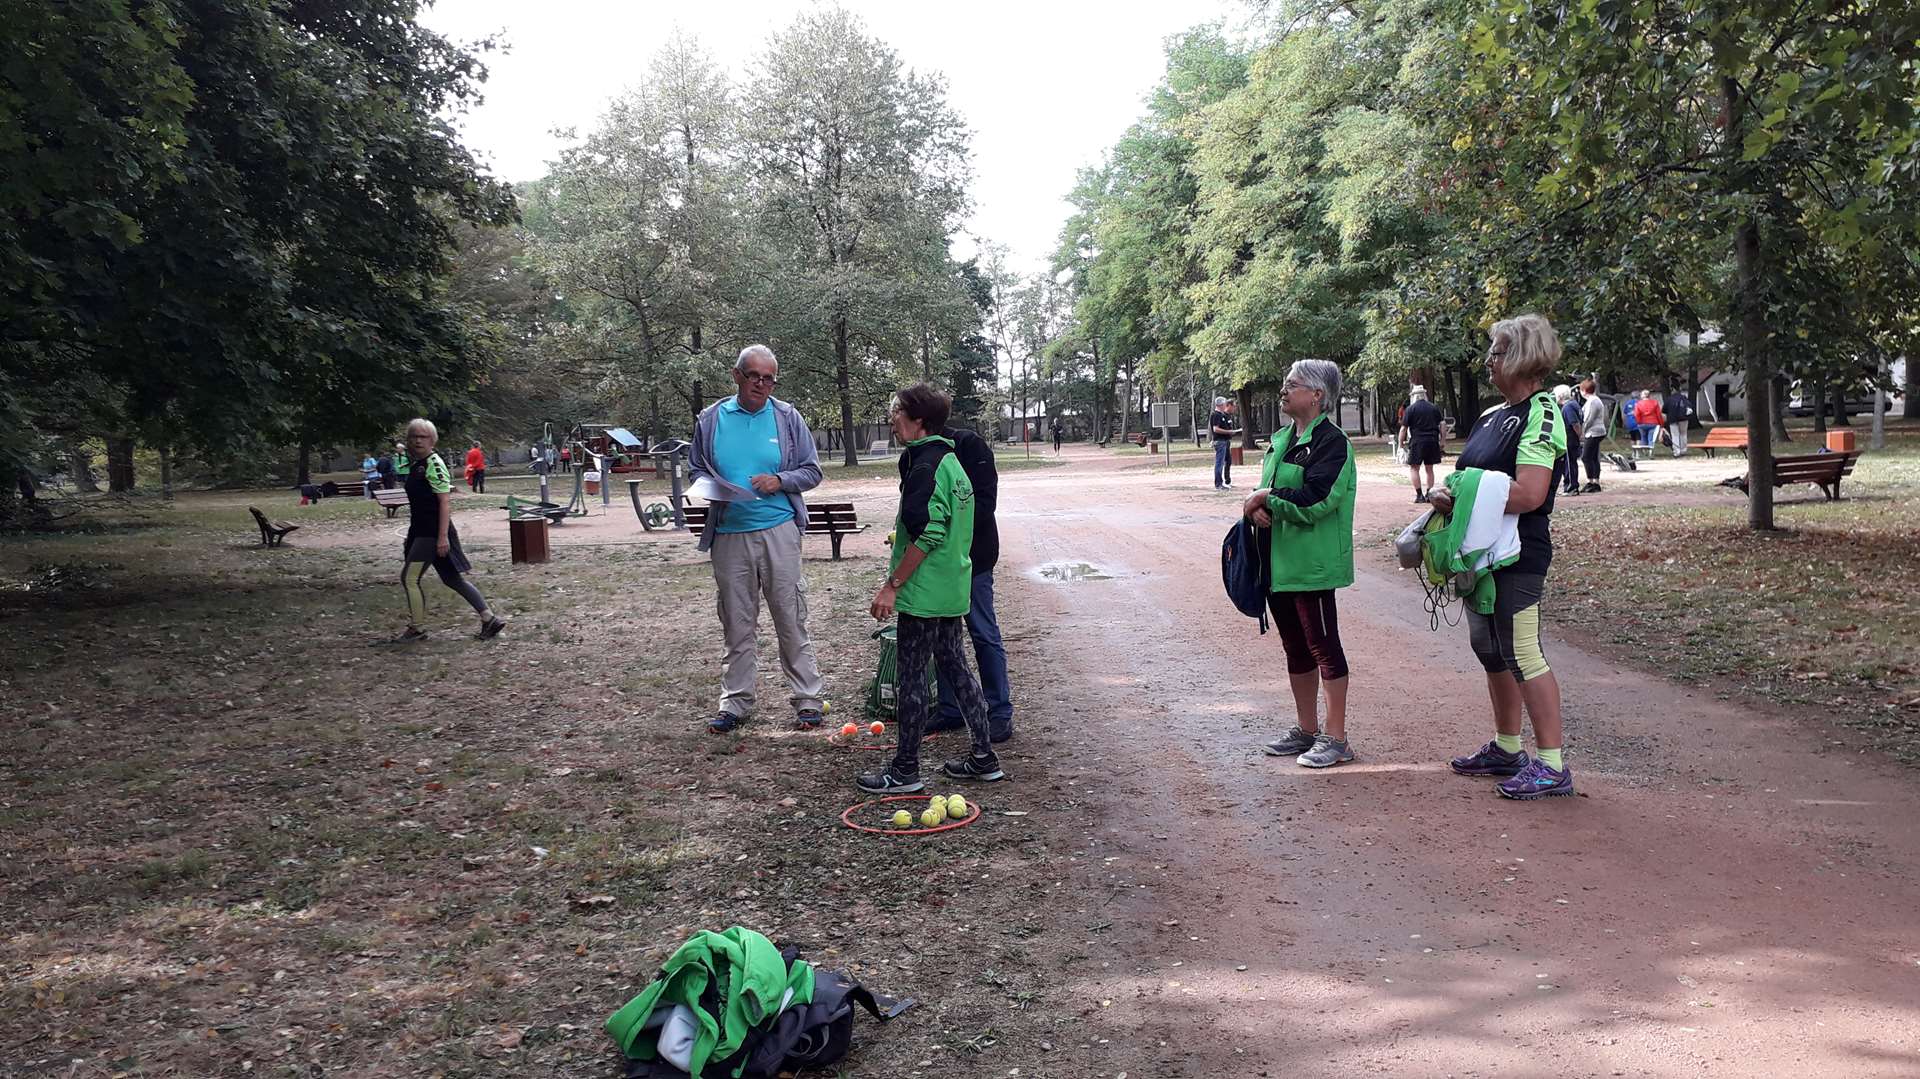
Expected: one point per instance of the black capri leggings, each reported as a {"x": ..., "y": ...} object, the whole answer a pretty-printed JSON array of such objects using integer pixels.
[{"x": 1309, "y": 626}]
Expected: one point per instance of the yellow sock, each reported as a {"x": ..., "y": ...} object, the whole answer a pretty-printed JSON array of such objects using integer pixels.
[
  {"x": 1507, "y": 742},
  {"x": 1551, "y": 758}
]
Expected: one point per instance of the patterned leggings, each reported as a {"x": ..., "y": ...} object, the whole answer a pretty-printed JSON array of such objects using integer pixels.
[{"x": 944, "y": 642}]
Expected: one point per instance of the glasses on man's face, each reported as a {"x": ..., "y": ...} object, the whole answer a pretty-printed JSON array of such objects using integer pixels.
[
  {"x": 1289, "y": 387},
  {"x": 758, "y": 378}
]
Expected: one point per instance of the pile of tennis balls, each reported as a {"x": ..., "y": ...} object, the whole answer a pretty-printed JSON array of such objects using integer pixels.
[
  {"x": 940, "y": 809},
  {"x": 876, "y": 728}
]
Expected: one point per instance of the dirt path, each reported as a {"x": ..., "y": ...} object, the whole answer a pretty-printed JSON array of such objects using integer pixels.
[{"x": 1736, "y": 892}]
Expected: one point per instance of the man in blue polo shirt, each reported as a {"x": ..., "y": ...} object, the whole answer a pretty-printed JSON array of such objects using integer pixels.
[{"x": 761, "y": 447}]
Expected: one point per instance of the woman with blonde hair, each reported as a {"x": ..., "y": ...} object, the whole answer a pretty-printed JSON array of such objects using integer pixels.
[{"x": 1525, "y": 438}]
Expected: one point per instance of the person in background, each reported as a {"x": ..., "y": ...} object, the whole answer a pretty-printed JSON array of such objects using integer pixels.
[
  {"x": 1646, "y": 413},
  {"x": 389, "y": 471},
  {"x": 1678, "y": 410},
  {"x": 759, "y": 443},
  {"x": 1306, "y": 497},
  {"x": 566, "y": 457},
  {"x": 927, "y": 584},
  {"x": 1593, "y": 430},
  {"x": 1223, "y": 427},
  {"x": 989, "y": 652},
  {"x": 1522, "y": 438},
  {"x": 1059, "y": 433},
  {"x": 432, "y": 540},
  {"x": 402, "y": 461},
  {"x": 369, "y": 474},
  {"x": 477, "y": 469},
  {"x": 1564, "y": 397},
  {"x": 1422, "y": 433}
]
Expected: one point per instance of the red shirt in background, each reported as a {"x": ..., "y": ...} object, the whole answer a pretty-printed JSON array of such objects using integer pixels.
[
  {"x": 1646, "y": 413},
  {"x": 476, "y": 461}
]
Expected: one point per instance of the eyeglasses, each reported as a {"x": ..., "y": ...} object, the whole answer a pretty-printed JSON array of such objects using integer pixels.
[
  {"x": 1494, "y": 352},
  {"x": 757, "y": 377},
  {"x": 1290, "y": 386}
]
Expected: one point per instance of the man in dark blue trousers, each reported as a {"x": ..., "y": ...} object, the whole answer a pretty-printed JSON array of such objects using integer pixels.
[{"x": 976, "y": 458}]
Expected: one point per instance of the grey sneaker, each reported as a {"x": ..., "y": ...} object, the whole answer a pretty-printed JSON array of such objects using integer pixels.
[
  {"x": 1327, "y": 751},
  {"x": 1291, "y": 744}
]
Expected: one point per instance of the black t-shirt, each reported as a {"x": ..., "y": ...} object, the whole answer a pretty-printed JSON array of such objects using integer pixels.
[
  {"x": 1422, "y": 421},
  {"x": 1221, "y": 419},
  {"x": 1508, "y": 436},
  {"x": 976, "y": 460}
]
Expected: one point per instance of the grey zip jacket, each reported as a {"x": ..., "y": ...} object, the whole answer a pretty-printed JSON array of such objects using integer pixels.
[{"x": 799, "y": 462}]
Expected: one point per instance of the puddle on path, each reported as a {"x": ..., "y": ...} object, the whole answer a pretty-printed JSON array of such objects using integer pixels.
[{"x": 1068, "y": 572}]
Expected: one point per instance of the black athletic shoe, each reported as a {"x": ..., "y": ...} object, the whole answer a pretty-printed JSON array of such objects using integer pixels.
[
  {"x": 997, "y": 737},
  {"x": 725, "y": 722},
  {"x": 492, "y": 628},
  {"x": 888, "y": 783},
  {"x": 413, "y": 633},
  {"x": 1591, "y": 488},
  {"x": 1419, "y": 497},
  {"x": 982, "y": 769},
  {"x": 807, "y": 719}
]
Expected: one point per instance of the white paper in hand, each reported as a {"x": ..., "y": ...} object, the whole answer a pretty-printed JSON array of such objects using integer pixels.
[{"x": 715, "y": 489}]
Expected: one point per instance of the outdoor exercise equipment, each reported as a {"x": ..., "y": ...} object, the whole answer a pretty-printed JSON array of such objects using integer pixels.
[{"x": 670, "y": 456}]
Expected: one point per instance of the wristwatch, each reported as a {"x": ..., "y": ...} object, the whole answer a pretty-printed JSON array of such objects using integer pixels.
[{"x": 893, "y": 584}]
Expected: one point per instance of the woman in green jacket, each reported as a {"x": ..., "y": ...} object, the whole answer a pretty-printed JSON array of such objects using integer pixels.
[
  {"x": 1306, "y": 498},
  {"x": 930, "y": 583}
]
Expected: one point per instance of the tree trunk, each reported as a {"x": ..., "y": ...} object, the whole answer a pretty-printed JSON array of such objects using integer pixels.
[
  {"x": 653, "y": 415},
  {"x": 166, "y": 473},
  {"x": 1126, "y": 407},
  {"x": 850, "y": 453},
  {"x": 303, "y": 472},
  {"x": 82, "y": 462},
  {"x": 119, "y": 463},
  {"x": 1753, "y": 354},
  {"x": 1469, "y": 409},
  {"x": 1778, "y": 406},
  {"x": 1910, "y": 391},
  {"x": 1243, "y": 398},
  {"x": 1693, "y": 378},
  {"x": 926, "y": 356},
  {"x": 1819, "y": 405}
]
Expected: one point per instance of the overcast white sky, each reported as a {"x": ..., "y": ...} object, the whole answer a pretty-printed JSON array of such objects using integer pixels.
[{"x": 1046, "y": 86}]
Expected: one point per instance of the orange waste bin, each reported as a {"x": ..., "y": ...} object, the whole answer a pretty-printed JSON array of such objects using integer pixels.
[
  {"x": 1238, "y": 454},
  {"x": 1840, "y": 441}
]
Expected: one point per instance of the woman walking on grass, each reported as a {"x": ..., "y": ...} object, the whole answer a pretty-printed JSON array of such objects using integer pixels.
[
  {"x": 1306, "y": 497},
  {"x": 1525, "y": 438},
  {"x": 431, "y": 540}
]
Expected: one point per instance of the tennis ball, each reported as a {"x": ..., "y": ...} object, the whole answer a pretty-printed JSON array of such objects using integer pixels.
[
  {"x": 956, "y": 806},
  {"x": 849, "y": 731},
  {"x": 929, "y": 819},
  {"x": 876, "y": 727},
  {"x": 826, "y": 707},
  {"x": 903, "y": 818}
]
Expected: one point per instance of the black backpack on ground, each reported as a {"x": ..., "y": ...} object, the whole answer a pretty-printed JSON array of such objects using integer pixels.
[
  {"x": 1244, "y": 569},
  {"x": 810, "y": 1035}
]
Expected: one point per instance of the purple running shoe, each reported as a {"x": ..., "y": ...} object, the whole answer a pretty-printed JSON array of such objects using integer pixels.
[
  {"x": 1491, "y": 760},
  {"x": 1537, "y": 780}
]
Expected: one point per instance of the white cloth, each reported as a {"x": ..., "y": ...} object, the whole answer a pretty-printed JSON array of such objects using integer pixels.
[
  {"x": 678, "y": 1029},
  {"x": 1491, "y": 530}
]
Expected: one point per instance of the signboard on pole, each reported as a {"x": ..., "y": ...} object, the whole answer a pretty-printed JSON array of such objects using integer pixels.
[{"x": 1166, "y": 413}]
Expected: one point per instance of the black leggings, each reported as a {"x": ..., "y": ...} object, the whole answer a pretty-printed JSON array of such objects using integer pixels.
[
  {"x": 1309, "y": 626},
  {"x": 422, "y": 552},
  {"x": 479, "y": 484},
  {"x": 1590, "y": 453},
  {"x": 943, "y": 642}
]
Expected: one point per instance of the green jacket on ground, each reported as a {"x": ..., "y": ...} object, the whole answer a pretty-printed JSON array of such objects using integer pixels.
[
  {"x": 1310, "y": 481},
  {"x": 936, "y": 515},
  {"x": 757, "y": 985}
]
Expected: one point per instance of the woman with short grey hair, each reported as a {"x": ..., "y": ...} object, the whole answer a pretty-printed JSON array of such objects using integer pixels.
[
  {"x": 1524, "y": 438},
  {"x": 1306, "y": 498}
]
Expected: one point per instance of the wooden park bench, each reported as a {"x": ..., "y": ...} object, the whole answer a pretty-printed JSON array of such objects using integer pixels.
[
  {"x": 834, "y": 520},
  {"x": 1723, "y": 438},
  {"x": 271, "y": 532},
  {"x": 337, "y": 488},
  {"x": 1823, "y": 470},
  {"x": 1138, "y": 438},
  {"x": 393, "y": 501}
]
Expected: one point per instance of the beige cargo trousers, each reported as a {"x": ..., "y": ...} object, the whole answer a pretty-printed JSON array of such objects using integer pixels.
[{"x": 746, "y": 567}]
